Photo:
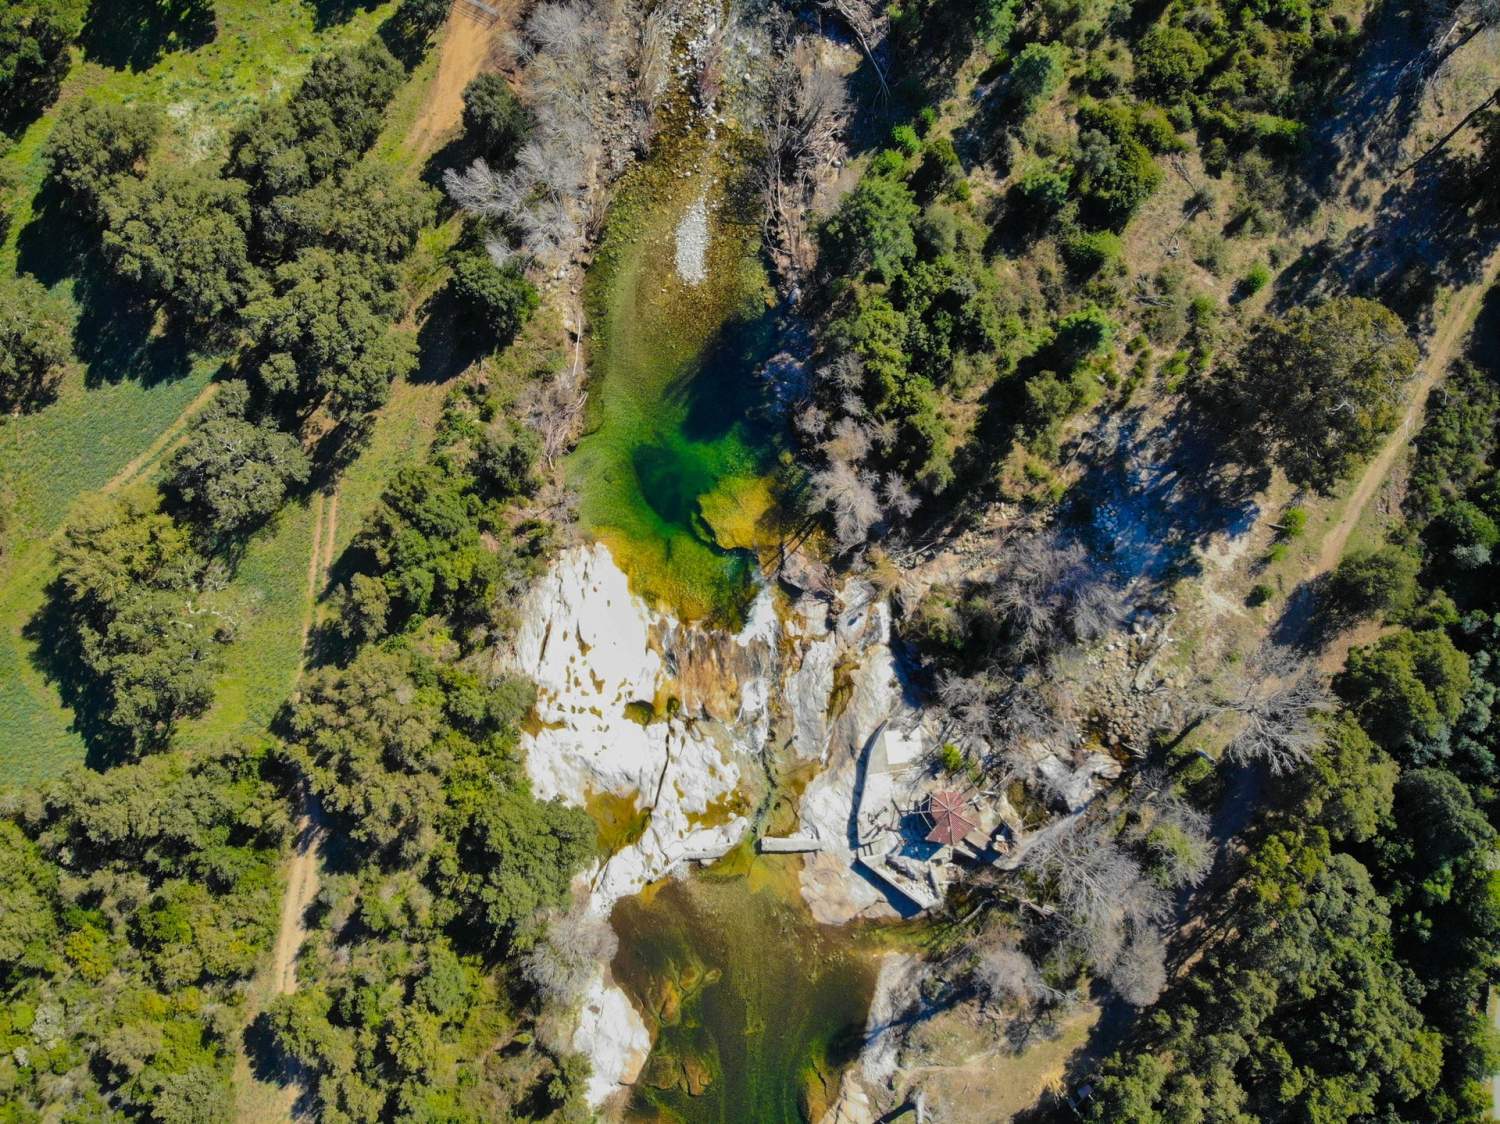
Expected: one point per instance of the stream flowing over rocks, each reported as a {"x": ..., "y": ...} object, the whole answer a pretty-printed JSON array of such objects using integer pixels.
[{"x": 691, "y": 722}]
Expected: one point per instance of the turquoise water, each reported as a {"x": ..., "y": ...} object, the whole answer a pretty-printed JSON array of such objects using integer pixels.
[{"x": 677, "y": 453}]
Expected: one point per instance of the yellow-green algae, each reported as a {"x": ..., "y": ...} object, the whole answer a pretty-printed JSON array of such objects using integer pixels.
[
  {"x": 754, "y": 1007},
  {"x": 673, "y": 399}
]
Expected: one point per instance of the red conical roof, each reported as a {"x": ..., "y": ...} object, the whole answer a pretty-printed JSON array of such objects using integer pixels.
[{"x": 945, "y": 811}]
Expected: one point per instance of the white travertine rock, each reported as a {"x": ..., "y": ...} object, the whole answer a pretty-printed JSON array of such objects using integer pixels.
[{"x": 613, "y": 1036}]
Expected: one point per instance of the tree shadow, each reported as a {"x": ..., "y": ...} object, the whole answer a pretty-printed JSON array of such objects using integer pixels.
[
  {"x": 1149, "y": 495},
  {"x": 114, "y": 335},
  {"x": 135, "y": 36},
  {"x": 448, "y": 342},
  {"x": 57, "y": 654},
  {"x": 327, "y": 13}
]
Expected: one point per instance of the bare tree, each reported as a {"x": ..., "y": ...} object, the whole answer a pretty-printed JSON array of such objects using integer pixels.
[
  {"x": 1048, "y": 592},
  {"x": 806, "y": 111},
  {"x": 1101, "y": 891},
  {"x": 1276, "y": 698},
  {"x": 848, "y": 494},
  {"x": 1005, "y": 974},
  {"x": 1140, "y": 973},
  {"x": 897, "y": 496},
  {"x": 562, "y": 964}
]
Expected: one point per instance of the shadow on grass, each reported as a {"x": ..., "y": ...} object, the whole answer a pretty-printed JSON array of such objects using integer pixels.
[
  {"x": 449, "y": 341},
  {"x": 327, "y": 13},
  {"x": 129, "y": 36},
  {"x": 57, "y": 654},
  {"x": 113, "y": 336}
]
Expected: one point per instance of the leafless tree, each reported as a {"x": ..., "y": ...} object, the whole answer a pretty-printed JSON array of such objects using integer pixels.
[
  {"x": 897, "y": 496},
  {"x": 847, "y": 493},
  {"x": 562, "y": 964},
  {"x": 1140, "y": 972},
  {"x": 850, "y": 442},
  {"x": 546, "y": 202},
  {"x": 1276, "y": 699},
  {"x": 806, "y": 111},
  {"x": 1006, "y": 975},
  {"x": 1101, "y": 891},
  {"x": 555, "y": 410},
  {"x": 812, "y": 421},
  {"x": 1048, "y": 592}
]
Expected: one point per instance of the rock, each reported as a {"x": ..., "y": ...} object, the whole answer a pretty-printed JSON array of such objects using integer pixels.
[
  {"x": 611, "y": 1034},
  {"x": 808, "y": 691}
]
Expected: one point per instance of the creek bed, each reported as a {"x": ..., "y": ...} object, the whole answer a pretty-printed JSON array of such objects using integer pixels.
[{"x": 754, "y": 1008}]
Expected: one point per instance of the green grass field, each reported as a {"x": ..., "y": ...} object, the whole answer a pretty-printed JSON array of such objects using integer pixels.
[{"x": 118, "y": 414}]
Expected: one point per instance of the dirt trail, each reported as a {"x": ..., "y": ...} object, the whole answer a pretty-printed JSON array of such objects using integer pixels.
[
  {"x": 256, "y": 1100},
  {"x": 301, "y": 888},
  {"x": 164, "y": 440},
  {"x": 1442, "y": 348},
  {"x": 464, "y": 49}
]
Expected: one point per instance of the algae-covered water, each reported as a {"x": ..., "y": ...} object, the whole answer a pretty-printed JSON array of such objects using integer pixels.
[
  {"x": 754, "y": 1008},
  {"x": 673, "y": 469}
]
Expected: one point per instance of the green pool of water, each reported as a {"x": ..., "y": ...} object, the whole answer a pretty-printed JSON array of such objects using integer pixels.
[
  {"x": 673, "y": 429},
  {"x": 755, "y": 1008}
]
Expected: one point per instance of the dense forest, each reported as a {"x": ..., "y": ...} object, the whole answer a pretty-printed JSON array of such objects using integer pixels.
[{"x": 1097, "y": 286}]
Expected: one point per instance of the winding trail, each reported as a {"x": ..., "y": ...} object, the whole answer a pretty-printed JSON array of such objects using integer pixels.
[{"x": 1442, "y": 347}]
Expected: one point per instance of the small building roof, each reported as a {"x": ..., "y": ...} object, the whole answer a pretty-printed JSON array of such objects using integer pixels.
[{"x": 945, "y": 811}]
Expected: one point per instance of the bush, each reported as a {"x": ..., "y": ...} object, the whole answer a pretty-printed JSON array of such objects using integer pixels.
[
  {"x": 500, "y": 298},
  {"x": 1169, "y": 60},
  {"x": 1082, "y": 333},
  {"x": 904, "y": 138},
  {"x": 34, "y": 344},
  {"x": 1041, "y": 191},
  {"x": 1087, "y": 252},
  {"x": 1036, "y": 73},
  {"x": 1367, "y": 582},
  {"x": 873, "y": 228},
  {"x": 1256, "y": 278},
  {"x": 494, "y": 121}
]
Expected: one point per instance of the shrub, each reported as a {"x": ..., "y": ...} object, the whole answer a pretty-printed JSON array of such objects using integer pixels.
[
  {"x": 1087, "y": 252},
  {"x": 494, "y": 121},
  {"x": 1293, "y": 523},
  {"x": 1367, "y": 582},
  {"x": 1036, "y": 73},
  {"x": 1256, "y": 278},
  {"x": 501, "y": 298},
  {"x": 1169, "y": 60},
  {"x": 872, "y": 229},
  {"x": 34, "y": 344},
  {"x": 1085, "y": 332},
  {"x": 1041, "y": 191},
  {"x": 905, "y": 139}
]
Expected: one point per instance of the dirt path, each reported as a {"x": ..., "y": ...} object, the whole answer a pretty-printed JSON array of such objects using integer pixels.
[
  {"x": 1442, "y": 349},
  {"x": 257, "y": 1101},
  {"x": 464, "y": 49},
  {"x": 164, "y": 441}
]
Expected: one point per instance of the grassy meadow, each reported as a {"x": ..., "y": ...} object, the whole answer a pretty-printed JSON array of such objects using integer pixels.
[{"x": 120, "y": 411}]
